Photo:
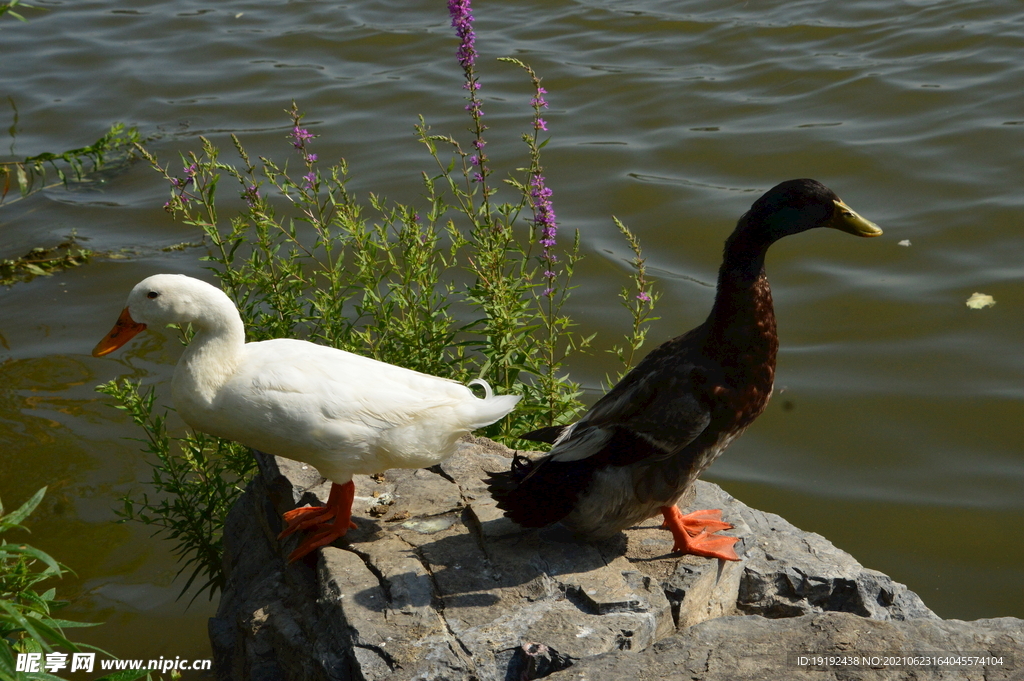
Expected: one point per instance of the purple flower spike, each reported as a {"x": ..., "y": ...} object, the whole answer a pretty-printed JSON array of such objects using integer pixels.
[
  {"x": 462, "y": 22},
  {"x": 544, "y": 219},
  {"x": 643, "y": 297}
]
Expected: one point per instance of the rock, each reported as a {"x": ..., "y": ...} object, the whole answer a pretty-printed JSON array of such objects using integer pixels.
[
  {"x": 753, "y": 647},
  {"x": 789, "y": 572},
  {"x": 436, "y": 584}
]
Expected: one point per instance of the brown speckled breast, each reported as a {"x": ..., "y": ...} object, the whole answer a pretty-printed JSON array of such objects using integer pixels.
[{"x": 745, "y": 344}]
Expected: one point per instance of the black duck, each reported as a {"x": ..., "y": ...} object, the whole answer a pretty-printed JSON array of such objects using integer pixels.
[{"x": 640, "y": 448}]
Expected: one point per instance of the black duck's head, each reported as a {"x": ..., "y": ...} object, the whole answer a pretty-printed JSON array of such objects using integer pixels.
[{"x": 795, "y": 206}]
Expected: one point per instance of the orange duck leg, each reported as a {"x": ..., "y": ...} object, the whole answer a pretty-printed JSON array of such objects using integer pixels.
[
  {"x": 694, "y": 533},
  {"x": 330, "y": 522}
]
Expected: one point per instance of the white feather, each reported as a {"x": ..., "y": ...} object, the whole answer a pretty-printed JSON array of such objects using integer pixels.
[{"x": 340, "y": 412}]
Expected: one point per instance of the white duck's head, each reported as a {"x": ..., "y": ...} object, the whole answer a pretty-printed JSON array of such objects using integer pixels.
[{"x": 164, "y": 299}]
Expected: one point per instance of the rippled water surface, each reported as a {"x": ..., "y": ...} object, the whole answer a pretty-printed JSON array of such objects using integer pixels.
[{"x": 896, "y": 427}]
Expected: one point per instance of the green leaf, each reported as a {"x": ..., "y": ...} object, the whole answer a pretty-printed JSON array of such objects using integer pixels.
[
  {"x": 33, "y": 552},
  {"x": 15, "y": 518},
  {"x": 12, "y": 614}
]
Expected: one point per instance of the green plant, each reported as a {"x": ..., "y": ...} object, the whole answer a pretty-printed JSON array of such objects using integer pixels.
[
  {"x": 390, "y": 288},
  {"x": 639, "y": 300},
  {"x": 26, "y": 620},
  {"x": 8, "y": 8},
  {"x": 27, "y": 624},
  {"x": 196, "y": 481}
]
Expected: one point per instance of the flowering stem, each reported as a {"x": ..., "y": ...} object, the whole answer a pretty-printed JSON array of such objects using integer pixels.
[
  {"x": 546, "y": 231},
  {"x": 462, "y": 22},
  {"x": 640, "y": 302}
]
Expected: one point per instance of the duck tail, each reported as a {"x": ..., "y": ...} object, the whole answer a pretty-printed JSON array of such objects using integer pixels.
[
  {"x": 535, "y": 493},
  {"x": 492, "y": 407}
]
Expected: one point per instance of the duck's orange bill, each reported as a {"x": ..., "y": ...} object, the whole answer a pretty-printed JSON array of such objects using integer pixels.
[{"x": 124, "y": 330}]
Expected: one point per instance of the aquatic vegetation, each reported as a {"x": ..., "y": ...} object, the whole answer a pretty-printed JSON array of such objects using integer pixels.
[
  {"x": 42, "y": 261},
  {"x": 8, "y": 9},
  {"x": 112, "y": 151}
]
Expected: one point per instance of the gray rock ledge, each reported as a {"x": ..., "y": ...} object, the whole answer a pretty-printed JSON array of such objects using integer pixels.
[{"x": 435, "y": 584}]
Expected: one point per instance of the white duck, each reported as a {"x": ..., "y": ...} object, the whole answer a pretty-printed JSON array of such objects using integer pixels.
[{"x": 342, "y": 413}]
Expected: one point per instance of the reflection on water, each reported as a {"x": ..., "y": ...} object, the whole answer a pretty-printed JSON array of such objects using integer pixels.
[{"x": 894, "y": 431}]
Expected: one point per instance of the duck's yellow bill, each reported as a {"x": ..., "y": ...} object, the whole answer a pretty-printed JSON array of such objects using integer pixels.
[
  {"x": 848, "y": 220},
  {"x": 125, "y": 328}
]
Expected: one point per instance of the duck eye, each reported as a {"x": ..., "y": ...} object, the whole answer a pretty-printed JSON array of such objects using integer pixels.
[{"x": 152, "y": 294}]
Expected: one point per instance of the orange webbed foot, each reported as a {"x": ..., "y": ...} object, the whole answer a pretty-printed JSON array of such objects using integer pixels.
[
  {"x": 694, "y": 533},
  {"x": 305, "y": 517},
  {"x": 325, "y": 536},
  {"x": 328, "y": 523}
]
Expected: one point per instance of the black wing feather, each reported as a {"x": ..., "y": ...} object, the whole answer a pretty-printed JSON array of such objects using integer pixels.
[
  {"x": 652, "y": 414},
  {"x": 547, "y": 434}
]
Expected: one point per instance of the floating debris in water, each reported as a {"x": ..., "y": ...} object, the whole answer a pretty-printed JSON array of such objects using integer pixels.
[
  {"x": 905, "y": 242},
  {"x": 43, "y": 262},
  {"x": 978, "y": 301}
]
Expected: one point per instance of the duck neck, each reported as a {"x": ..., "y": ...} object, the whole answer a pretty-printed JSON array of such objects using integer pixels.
[
  {"x": 743, "y": 259},
  {"x": 212, "y": 357},
  {"x": 741, "y": 326}
]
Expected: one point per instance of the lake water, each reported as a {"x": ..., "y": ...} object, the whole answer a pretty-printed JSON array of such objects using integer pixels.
[{"x": 895, "y": 430}]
